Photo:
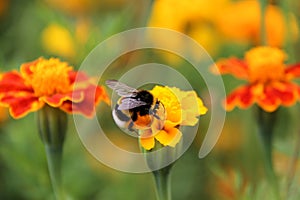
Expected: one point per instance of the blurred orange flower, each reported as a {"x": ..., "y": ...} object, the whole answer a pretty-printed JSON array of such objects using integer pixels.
[
  {"x": 51, "y": 82},
  {"x": 83, "y": 7},
  {"x": 269, "y": 79},
  {"x": 231, "y": 184},
  {"x": 240, "y": 21},
  {"x": 182, "y": 109},
  {"x": 3, "y": 7}
]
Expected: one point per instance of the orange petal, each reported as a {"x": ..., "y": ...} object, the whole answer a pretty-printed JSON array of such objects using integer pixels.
[
  {"x": 147, "y": 143},
  {"x": 241, "y": 97},
  {"x": 169, "y": 137},
  {"x": 101, "y": 94},
  {"x": 21, "y": 106},
  {"x": 233, "y": 66}
]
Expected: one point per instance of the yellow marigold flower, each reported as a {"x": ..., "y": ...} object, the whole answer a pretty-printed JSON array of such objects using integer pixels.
[
  {"x": 270, "y": 80},
  {"x": 182, "y": 108},
  {"x": 51, "y": 82},
  {"x": 240, "y": 20},
  {"x": 57, "y": 40}
]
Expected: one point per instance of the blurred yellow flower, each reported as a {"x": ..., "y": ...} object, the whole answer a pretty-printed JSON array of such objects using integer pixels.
[
  {"x": 194, "y": 18},
  {"x": 182, "y": 108},
  {"x": 57, "y": 40},
  {"x": 240, "y": 21}
]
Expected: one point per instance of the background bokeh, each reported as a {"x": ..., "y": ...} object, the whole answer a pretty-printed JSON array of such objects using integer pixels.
[{"x": 70, "y": 29}]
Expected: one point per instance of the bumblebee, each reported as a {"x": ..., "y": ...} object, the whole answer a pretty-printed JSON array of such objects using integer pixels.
[{"x": 136, "y": 109}]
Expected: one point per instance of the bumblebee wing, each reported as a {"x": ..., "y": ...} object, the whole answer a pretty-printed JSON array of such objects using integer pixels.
[
  {"x": 122, "y": 89},
  {"x": 129, "y": 103}
]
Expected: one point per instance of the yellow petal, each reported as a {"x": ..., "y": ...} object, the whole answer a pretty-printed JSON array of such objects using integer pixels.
[
  {"x": 169, "y": 137},
  {"x": 147, "y": 143}
]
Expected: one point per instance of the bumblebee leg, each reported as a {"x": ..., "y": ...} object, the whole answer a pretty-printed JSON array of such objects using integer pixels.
[{"x": 130, "y": 126}]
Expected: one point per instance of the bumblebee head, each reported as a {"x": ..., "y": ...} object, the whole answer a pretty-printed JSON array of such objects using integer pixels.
[{"x": 145, "y": 96}]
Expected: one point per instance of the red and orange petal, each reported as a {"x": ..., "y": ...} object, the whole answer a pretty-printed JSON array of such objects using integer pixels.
[
  {"x": 233, "y": 66},
  {"x": 77, "y": 76},
  {"x": 293, "y": 71},
  {"x": 13, "y": 82},
  {"x": 268, "y": 97},
  {"x": 278, "y": 94},
  {"x": 101, "y": 95},
  {"x": 91, "y": 97},
  {"x": 21, "y": 105},
  {"x": 26, "y": 67},
  {"x": 241, "y": 97},
  {"x": 57, "y": 100}
]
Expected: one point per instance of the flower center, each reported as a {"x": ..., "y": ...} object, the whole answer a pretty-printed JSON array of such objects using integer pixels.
[
  {"x": 265, "y": 64},
  {"x": 170, "y": 101},
  {"x": 49, "y": 77}
]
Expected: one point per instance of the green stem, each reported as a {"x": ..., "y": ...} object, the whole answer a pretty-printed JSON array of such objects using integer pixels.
[
  {"x": 288, "y": 32},
  {"x": 163, "y": 183},
  {"x": 263, "y": 32},
  {"x": 52, "y": 127},
  {"x": 293, "y": 166},
  {"x": 266, "y": 123},
  {"x": 54, "y": 159}
]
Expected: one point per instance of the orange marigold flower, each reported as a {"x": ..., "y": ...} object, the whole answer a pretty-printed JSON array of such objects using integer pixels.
[
  {"x": 246, "y": 27},
  {"x": 52, "y": 82},
  {"x": 270, "y": 80},
  {"x": 182, "y": 108}
]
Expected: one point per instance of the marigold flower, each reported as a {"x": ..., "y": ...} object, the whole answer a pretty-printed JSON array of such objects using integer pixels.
[
  {"x": 51, "y": 82},
  {"x": 182, "y": 108},
  {"x": 269, "y": 79},
  {"x": 246, "y": 27}
]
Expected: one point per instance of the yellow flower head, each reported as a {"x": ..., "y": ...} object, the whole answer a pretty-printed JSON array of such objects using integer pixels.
[
  {"x": 265, "y": 64},
  {"x": 182, "y": 108}
]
